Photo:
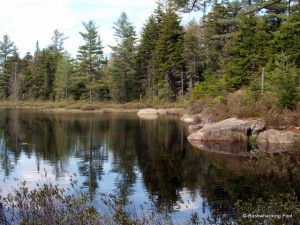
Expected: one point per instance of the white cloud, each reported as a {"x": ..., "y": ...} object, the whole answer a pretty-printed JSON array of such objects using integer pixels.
[
  {"x": 132, "y": 3},
  {"x": 28, "y": 21}
]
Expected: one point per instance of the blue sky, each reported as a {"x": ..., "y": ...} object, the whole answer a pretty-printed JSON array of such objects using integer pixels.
[{"x": 28, "y": 21}]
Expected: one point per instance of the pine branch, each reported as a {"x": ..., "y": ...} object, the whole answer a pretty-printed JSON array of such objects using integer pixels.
[
  {"x": 188, "y": 10},
  {"x": 262, "y": 7}
]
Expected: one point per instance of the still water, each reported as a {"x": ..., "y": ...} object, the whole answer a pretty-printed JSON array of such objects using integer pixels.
[{"x": 148, "y": 162}]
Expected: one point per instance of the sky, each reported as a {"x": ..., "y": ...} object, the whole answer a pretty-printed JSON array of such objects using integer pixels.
[{"x": 29, "y": 21}]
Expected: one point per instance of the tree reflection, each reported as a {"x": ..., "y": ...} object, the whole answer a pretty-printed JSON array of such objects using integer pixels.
[{"x": 155, "y": 151}]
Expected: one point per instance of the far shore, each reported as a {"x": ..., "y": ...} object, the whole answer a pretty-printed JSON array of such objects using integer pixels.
[{"x": 95, "y": 107}]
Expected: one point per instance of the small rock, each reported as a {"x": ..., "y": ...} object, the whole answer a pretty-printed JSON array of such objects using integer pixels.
[
  {"x": 148, "y": 114},
  {"x": 149, "y": 111},
  {"x": 187, "y": 118}
]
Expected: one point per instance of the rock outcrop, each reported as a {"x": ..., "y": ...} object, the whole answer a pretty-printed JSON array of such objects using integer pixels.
[
  {"x": 231, "y": 129},
  {"x": 277, "y": 140}
]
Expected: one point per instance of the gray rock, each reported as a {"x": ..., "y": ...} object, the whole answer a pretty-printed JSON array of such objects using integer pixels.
[
  {"x": 277, "y": 140},
  {"x": 162, "y": 111},
  {"x": 231, "y": 129},
  {"x": 148, "y": 113},
  {"x": 256, "y": 126},
  {"x": 187, "y": 118},
  {"x": 195, "y": 127}
]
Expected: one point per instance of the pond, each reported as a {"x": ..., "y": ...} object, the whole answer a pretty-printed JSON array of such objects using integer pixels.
[{"x": 148, "y": 162}]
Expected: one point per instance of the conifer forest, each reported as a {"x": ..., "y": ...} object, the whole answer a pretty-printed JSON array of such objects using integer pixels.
[{"x": 250, "y": 45}]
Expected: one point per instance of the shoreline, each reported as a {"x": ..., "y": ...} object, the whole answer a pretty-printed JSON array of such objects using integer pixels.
[{"x": 92, "y": 107}]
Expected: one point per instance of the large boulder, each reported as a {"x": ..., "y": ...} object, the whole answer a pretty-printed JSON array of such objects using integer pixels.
[
  {"x": 231, "y": 129},
  {"x": 277, "y": 140},
  {"x": 148, "y": 113}
]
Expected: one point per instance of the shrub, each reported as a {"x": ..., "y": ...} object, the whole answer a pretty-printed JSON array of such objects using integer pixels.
[{"x": 49, "y": 204}]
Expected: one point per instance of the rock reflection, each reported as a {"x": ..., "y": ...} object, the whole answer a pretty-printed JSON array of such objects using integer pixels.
[{"x": 238, "y": 148}]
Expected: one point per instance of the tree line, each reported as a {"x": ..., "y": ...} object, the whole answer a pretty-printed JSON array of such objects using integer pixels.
[{"x": 237, "y": 44}]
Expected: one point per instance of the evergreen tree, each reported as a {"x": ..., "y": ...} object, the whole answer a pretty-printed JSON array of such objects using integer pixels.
[
  {"x": 168, "y": 63},
  {"x": 145, "y": 60},
  {"x": 58, "y": 39},
  {"x": 7, "y": 49},
  {"x": 26, "y": 71},
  {"x": 122, "y": 69},
  {"x": 216, "y": 30},
  {"x": 192, "y": 52},
  {"x": 90, "y": 62},
  {"x": 50, "y": 61},
  {"x": 190, "y": 5},
  {"x": 37, "y": 74},
  {"x": 13, "y": 68},
  {"x": 284, "y": 83},
  {"x": 287, "y": 38},
  {"x": 63, "y": 78}
]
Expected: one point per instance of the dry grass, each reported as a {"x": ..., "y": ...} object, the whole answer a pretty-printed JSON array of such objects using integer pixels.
[
  {"x": 174, "y": 107},
  {"x": 243, "y": 106}
]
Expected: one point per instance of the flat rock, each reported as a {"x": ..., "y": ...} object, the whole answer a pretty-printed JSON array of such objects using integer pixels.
[
  {"x": 148, "y": 111},
  {"x": 148, "y": 114}
]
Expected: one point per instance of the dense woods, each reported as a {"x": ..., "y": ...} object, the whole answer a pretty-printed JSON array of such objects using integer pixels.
[{"x": 250, "y": 45}]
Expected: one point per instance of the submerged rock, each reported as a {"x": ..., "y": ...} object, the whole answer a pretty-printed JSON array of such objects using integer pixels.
[{"x": 277, "y": 140}]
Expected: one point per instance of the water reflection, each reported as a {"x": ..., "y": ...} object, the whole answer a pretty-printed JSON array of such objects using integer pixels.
[{"x": 140, "y": 160}]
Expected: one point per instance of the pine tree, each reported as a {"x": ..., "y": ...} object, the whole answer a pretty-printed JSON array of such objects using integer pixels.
[
  {"x": 90, "y": 62},
  {"x": 145, "y": 59},
  {"x": 63, "y": 78},
  {"x": 7, "y": 49},
  {"x": 58, "y": 39},
  {"x": 192, "y": 52},
  {"x": 38, "y": 73},
  {"x": 217, "y": 28},
  {"x": 27, "y": 71},
  {"x": 122, "y": 69},
  {"x": 168, "y": 63},
  {"x": 13, "y": 69},
  {"x": 248, "y": 53},
  {"x": 287, "y": 39}
]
